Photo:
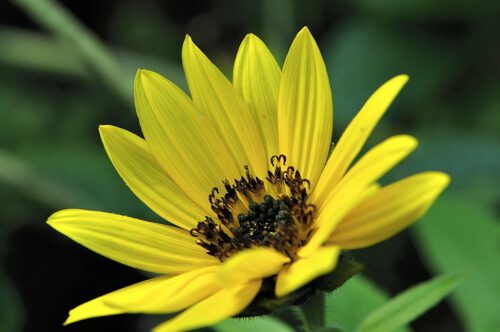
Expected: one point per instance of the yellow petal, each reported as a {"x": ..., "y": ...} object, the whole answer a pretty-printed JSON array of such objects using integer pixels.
[
  {"x": 355, "y": 136},
  {"x": 256, "y": 76},
  {"x": 224, "y": 304},
  {"x": 140, "y": 244},
  {"x": 182, "y": 139},
  {"x": 147, "y": 179},
  {"x": 251, "y": 264},
  {"x": 373, "y": 165},
  {"x": 159, "y": 295},
  {"x": 390, "y": 210},
  {"x": 217, "y": 97},
  {"x": 307, "y": 269},
  {"x": 305, "y": 109},
  {"x": 352, "y": 188}
]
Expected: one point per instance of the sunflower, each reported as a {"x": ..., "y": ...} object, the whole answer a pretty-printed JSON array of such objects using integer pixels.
[{"x": 243, "y": 172}]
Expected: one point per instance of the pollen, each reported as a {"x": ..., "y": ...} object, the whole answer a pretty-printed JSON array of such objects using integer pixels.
[{"x": 253, "y": 213}]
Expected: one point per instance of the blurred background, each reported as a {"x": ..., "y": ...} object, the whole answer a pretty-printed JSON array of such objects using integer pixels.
[{"x": 68, "y": 66}]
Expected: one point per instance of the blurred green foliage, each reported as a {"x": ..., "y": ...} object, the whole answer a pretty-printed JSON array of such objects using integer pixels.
[
  {"x": 460, "y": 234},
  {"x": 341, "y": 303},
  {"x": 55, "y": 89}
]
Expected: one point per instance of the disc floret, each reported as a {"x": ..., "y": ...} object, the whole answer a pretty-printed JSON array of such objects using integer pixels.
[{"x": 254, "y": 213}]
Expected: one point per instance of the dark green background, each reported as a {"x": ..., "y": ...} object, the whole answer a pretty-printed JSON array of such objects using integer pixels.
[{"x": 52, "y": 100}]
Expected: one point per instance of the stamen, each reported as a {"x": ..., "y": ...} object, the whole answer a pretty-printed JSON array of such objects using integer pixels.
[{"x": 251, "y": 214}]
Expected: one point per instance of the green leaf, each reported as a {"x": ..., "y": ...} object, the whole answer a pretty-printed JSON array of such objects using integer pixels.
[
  {"x": 410, "y": 304},
  {"x": 459, "y": 233},
  {"x": 252, "y": 324},
  {"x": 359, "y": 293}
]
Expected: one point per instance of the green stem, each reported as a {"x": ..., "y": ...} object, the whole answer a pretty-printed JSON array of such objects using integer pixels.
[
  {"x": 58, "y": 20},
  {"x": 37, "y": 51},
  {"x": 314, "y": 312}
]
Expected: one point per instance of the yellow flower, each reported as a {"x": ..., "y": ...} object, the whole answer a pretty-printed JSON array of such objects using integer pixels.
[{"x": 242, "y": 171}]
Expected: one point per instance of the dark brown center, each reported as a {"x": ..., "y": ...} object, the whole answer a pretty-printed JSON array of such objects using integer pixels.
[{"x": 252, "y": 214}]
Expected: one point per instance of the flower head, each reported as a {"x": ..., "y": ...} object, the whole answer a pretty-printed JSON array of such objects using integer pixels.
[{"x": 242, "y": 170}]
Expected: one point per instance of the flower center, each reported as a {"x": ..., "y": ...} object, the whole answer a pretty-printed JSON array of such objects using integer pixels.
[{"x": 252, "y": 213}]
